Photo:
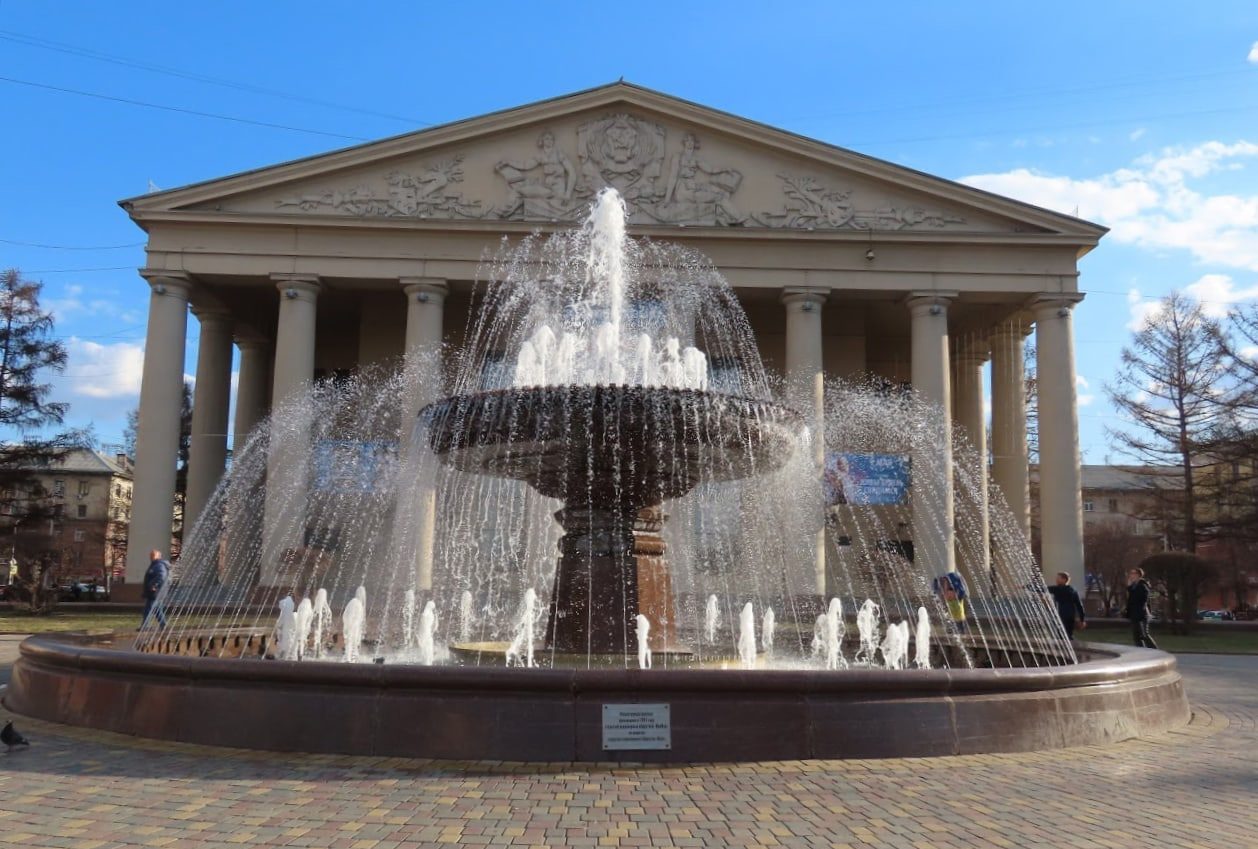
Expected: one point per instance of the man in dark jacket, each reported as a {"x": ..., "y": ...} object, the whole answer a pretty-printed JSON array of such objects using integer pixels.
[
  {"x": 1137, "y": 611},
  {"x": 1069, "y": 607},
  {"x": 154, "y": 579}
]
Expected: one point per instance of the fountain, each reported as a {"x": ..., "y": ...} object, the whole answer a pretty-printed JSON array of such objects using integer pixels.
[{"x": 610, "y": 405}]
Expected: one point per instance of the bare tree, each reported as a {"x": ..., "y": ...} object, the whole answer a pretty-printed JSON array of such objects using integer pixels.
[
  {"x": 1110, "y": 549},
  {"x": 1181, "y": 576},
  {"x": 1169, "y": 389}
]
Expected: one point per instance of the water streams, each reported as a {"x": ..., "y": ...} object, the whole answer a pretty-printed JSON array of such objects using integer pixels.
[{"x": 608, "y": 403}]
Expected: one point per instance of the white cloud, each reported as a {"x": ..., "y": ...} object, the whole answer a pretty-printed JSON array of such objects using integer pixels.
[
  {"x": 1082, "y": 396},
  {"x": 1253, "y": 54},
  {"x": 103, "y": 371},
  {"x": 1138, "y": 133},
  {"x": 1143, "y": 310},
  {"x": 1217, "y": 293},
  {"x": 1152, "y": 203}
]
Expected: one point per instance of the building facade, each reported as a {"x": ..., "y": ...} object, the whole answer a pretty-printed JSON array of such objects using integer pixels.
[
  {"x": 844, "y": 264},
  {"x": 79, "y": 510}
]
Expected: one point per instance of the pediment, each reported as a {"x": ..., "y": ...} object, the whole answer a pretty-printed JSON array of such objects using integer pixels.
[{"x": 675, "y": 163}]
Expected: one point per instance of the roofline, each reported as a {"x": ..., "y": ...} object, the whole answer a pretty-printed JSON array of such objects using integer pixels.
[{"x": 635, "y": 94}]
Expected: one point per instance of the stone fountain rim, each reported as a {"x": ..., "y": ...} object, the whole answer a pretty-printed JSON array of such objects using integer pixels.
[
  {"x": 543, "y": 715},
  {"x": 83, "y": 652},
  {"x": 432, "y": 409}
]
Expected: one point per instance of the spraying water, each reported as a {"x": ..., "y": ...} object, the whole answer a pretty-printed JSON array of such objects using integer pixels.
[
  {"x": 711, "y": 618},
  {"x": 465, "y": 616},
  {"x": 520, "y": 652},
  {"x": 408, "y": 617},
  {"x": 833, "y": 630},
  {"x": 895, "y": 645},
  {"x": 353, "y": 624},
  {"x": 768, "y": 624},
  {"x": 643, "y": 632},
  {"x": 922, "y": 647},
  {"x": 322, "y": 620},
  {"x": 303, "y": 620},
  {"x": 867, "y": 626},
  {"x": 286, "y": 631},
  {"x": 427, "y": 634},
  {"x": 747, "y": 637}
]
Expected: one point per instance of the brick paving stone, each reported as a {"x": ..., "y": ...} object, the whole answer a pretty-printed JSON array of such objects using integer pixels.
[{"x": 80, "y": 789}]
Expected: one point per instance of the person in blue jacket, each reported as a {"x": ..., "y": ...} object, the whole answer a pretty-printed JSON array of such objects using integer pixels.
[{"x": 155, "y": 578}]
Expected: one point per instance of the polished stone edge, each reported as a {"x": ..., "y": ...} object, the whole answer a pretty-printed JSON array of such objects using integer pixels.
[{"x": 554, "y": 715}]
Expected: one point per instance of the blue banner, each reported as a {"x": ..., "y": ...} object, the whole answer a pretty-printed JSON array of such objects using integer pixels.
[
  {"x": 342, "y": 465},
  {"x": 866, "y": 478}
]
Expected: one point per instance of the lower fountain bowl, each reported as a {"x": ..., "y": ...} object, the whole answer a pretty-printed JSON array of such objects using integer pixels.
[{"x": 558, "y": 714}]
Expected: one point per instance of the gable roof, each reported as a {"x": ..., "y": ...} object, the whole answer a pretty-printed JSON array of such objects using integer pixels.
[{"x": 618, "y": 94}]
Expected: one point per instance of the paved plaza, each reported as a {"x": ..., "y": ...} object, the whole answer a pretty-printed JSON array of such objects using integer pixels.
[{"x": 1197, "y": 787}]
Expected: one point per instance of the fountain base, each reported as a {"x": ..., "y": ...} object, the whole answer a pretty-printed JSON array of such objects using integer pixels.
[
  {"x": 611, "y": 568},
  {"x": 556, "y": 714}
]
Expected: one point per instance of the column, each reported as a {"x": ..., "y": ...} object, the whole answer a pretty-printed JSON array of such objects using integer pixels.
[
  {"x": 207, "y": 447},
  {"x": 805, "y": 391},
  {"x": 968, "y": 405},
  {"x": 425, "y": 307},
  {"x": 157, "y": 442},
  {"x": 288, "y": 457},
  {"x": 252, "y": 389},
  {"x": 933, "y": 517},
  {"x": 1061, "y": 512},
  {"x": 1009, "y": 445},
  {"x": 425, "y": 312}
]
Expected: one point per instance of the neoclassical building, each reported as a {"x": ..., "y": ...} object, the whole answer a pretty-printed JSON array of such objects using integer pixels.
[{"x": 845, "y": 265}]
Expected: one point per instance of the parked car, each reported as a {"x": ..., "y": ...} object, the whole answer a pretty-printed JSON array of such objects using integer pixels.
[
  {"x": 83, "y": 592},
  {"x": 1215, "y": 615}
]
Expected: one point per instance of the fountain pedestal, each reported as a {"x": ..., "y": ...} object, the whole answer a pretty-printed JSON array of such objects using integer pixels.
[
  {"x": 611, "y": 568},
  {"x": 612, "y": 455}
]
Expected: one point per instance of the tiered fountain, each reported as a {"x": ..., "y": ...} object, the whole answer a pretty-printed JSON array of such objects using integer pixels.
[{"x": 615, "y": 386}]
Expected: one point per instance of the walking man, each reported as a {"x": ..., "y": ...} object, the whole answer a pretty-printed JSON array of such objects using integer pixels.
[
  {"x": 1137, "y": 611},
  {"x": 1069, "y": 607},
  {"x": 154, "y": 579}
]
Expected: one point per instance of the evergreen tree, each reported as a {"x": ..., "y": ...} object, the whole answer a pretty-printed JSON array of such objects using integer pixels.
[{"x": 28, "y": 351}]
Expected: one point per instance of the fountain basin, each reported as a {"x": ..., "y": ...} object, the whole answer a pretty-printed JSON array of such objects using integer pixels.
[
  {"x": 613, "y": 455},
  {"x": 556, "y": 714},
  {"x": 611, "y": 446}
]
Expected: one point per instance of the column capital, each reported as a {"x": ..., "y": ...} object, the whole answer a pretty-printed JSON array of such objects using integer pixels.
[
  {"x": 424, "y": 289},
  {"x": 931, "y": 302},
  {"x": 174, "y": 283},
  {"x": 248, "y": 338},
  {"x": 971, "y": 351},
  {"x": 1049, "y": 304},
  {"x": 1018, "y": 325},
  {"x": 305, "y": 287},
  {"x": 808, "y": 297},
  {"x": 211, "y": 312}
]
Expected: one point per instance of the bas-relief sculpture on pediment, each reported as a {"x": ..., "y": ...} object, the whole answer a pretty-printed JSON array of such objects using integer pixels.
[
  {"x": 423, "y": 194},
  {"x": 550, "y": 184}
]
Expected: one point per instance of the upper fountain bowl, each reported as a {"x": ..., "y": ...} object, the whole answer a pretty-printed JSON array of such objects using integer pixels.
[{"x": 611, "y": 445}]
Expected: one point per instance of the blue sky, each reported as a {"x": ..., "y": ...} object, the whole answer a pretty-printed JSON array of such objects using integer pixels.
[{"x": 1142, "y": 116}]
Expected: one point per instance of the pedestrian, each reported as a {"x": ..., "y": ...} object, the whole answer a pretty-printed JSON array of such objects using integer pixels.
[
  {"x": 952, "y": 589},
  {"x": 1137, "y": 611},
  {"x": 1069, "y": 607},
  {"x": 154, "y": 579}
]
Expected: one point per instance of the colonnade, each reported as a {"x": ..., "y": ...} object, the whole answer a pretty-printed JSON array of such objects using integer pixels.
[{"x": 272, "y": 377}]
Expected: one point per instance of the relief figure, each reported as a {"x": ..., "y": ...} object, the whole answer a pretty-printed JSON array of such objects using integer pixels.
[
  {"x": 699, "y": 192},
  {"x": 547, "y": 194}
]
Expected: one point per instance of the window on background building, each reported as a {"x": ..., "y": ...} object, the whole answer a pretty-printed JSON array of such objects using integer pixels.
[
  {"x": 1088, "y": 507},
  {"x": 58, "y": 510},
  {"x": 84, "y": 489},
  {"x": 1113, "y": 505},
  {"x": 117, "y": 490},
  {"x": 82, "y": 511},
  {"x": 78, "y": 536},
  {"x": 58, "y": 489}
]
